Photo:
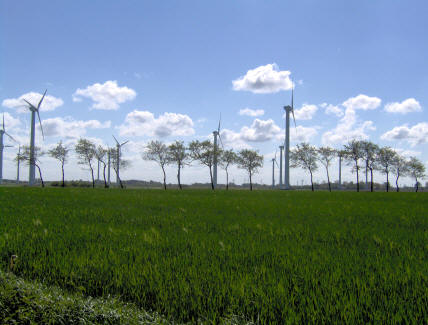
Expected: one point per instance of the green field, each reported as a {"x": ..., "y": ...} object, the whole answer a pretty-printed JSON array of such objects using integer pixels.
[{"x": 263, "y": 256}]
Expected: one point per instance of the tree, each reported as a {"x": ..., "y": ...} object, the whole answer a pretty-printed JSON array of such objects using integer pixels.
[
  {"x": 25, "y": 157},
  {"x": 353, "y": 153},
  {"x": 305, "y": 156},
  {"x": 399, "y": 167},
  {"x": 417, "y": 170},
  {"x": 385, "y": 159},
  {"x": 370, "y": 154},
  {"x": 60, "y": 153},
  {"x": 123, "y": 164},
  {"x": 325, "y": 156},
  {"x": 227, "y": 158},
  {"x": 251, "y": 161},
  {"x": 85, "y": 150},
  {"x": 158, "y": 152},
  {"x": 101, "y": 155},
  {"x": 204, "y": 153},
  {"x": 178, "y": 154}
]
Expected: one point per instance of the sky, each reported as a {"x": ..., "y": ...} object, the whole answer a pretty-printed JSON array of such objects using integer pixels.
[{"x": 167, "y": 70}]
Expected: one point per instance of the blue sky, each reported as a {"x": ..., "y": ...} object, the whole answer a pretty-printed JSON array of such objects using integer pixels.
[{"x": 113, "y": 67}]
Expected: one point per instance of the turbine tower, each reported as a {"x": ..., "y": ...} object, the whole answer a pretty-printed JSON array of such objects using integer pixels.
[
  {"x": 34, "y": 110},
  {"x": 281, "y": 148},
  {"x": 287, "y": 110},
  {"x": 340, "y": 154},
  {"x": 17, "y": 164},
  {"x": 273, "y": 170},
  {"x": 118, "y": 149},
  {"x": 108, "y": 169},
  {"x": 216, "y": 134},
  {"x": 2, "y": 132}
]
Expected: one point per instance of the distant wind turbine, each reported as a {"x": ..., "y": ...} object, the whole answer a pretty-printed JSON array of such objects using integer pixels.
[
  {"x": 216, "y": 151},
  {"x": 34, "y": 110},
  {"x": 2, "y": 146},
  {"x": 273, "y": 170},
  {"x": 288, "y": 109},
  {"x": 118, "y": 152}
]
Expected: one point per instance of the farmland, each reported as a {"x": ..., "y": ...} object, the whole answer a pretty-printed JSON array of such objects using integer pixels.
[{"x": 192, "y": 255}]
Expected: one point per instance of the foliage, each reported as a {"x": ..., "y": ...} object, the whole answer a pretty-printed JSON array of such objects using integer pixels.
[
  {"x": 370, "y": 153},
  {"x": 385, "y": 159},
  {"x": 85, "y": 150},
  {"x": 354, "y": 151},
  {"x": 25, "y": 156},
  {"x": 305, "y": 156},
  {"x": 227, "y": 158},
  {"x": 325, "y": 156},
  {"x": 251, "y": 161},
  {"x": 203, "y": 152},
  {"x": 158, "y": 152},
  {"x": 272, "y": 257},
  {"x": 60, "y": 153},
  {"x": 416, "y": 170},
  {"x": 177, "y": 153}
]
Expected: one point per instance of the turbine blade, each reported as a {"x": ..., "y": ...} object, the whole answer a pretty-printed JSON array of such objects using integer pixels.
[
  {"x": 276, "y": 163},
  {"x": 38, "y": 115},
  {"x": 3, "y": 123},
  {"x": 40, "y": 103},
  {"x": 124, "y": 143},
  {"x": 221, "y": 142},
  {"x": 31, "y": 105},
  {"x": 10, "y": 136},
  {"x": 292, "y": 111},
  {"x": 115, "y": 140},
  {"x": 219, "y": 121},
  {"x": 292, "y": 104}
]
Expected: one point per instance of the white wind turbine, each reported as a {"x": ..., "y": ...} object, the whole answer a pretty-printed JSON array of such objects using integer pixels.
[
  {"x": 287, "y": 110},
  {"x": 118, "y": 152},
  {"x": 273, "y": 170},
  {"x": 18, "y": 160},
  {"x": 215, "y": 158},
  {"x": 34, "y": 110},
  {"x": 281, "y": 149},
  {"x": 2, "y": 146}
]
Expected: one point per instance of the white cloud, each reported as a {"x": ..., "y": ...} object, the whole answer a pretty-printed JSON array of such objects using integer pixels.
[
  {"x": 106, "y": 96},
  {"x": 49, "y": 102},
  {"x": 362, "y": 102},
  {"x": 414, "y": 135},
  {"x": 9, "y": 121},
  {"x": 263, "y": 80},
  {"x": 406, "y": 106},
  {"x": 69, "y": 128},
  {"x": 144, "y": 123},
  {"x": 407, "y": 153},
  {"x": 348, "y": 129},
  {"x": 306, "y": 112},
  {"x": 302, "y": 134},
  {"x": 251, "y": 112},
  {"x": 260, "y": 131},
  {"x": 332, "y": 109}
]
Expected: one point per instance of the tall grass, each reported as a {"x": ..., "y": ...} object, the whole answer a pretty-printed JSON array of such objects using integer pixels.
[{"x": 268, "y": 256}]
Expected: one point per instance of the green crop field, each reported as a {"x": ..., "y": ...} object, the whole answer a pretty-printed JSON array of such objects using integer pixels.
[{"x": 198, "y": 255}]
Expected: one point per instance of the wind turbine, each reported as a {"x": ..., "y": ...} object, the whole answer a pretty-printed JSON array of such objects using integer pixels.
[
  {"x": 273, "y": 170},
  {"x": 108, "y": 164},
  {"x": 281, "y": 148},
  {"x": 118, "y": 149},
  {"x": 287, "y": 110},
  {"x": 215, "y": 158},
  {"x": 34, "y": 110},
  {"x": 340, "y": 154},
  {"x": 18, "y": 160},
  {"x": 2, "y": 132}
]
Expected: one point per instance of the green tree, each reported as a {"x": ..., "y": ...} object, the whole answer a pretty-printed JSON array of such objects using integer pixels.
[
  {"x": 101, "y": 156},
  {"x": 305, "y": 156},
  {"x": 325, "y": 156},
  {"x": 227, "y": 158},
  {"x": 85, "y": 150},
  {"x": 385, "y": 159},
  {"x": 416, "y": 170},
  {"x": 60, "y": 153},
  {"x": 251, "y": 161},
  {"x": 25, "y": 157},
  {"x": 203, "y": 152},
  {"x": 399, "y": 167},
  {"x": 353, "y": 153},
  {"x": 178, "y": 154},
  {"x": 369, "y": 155},
  {"x": 158, "y": 152}
]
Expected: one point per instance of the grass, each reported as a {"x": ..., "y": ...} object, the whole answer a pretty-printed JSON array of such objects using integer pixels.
[{"x": 198, "y": 255}]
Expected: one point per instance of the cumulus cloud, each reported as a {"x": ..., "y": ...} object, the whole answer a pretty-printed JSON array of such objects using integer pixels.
[
  {"x": 407, "y": 153},
  {"x": 49, "y": 102},
  {"x": 264, "y": 80},
  {"x": 9, "y": 121},
  {"x": 69, "y": 128},
  {"x": 106, "y": 96},
  {"x": 251, "y": 112},
  {"x": 406, "y": 106},
  {"x": 260, "y": 131},
  {"x": 306, "y": 112},
  {"x": 348, "y": 127},
  {"x": 144, "y": 123},
  {"x": 302, "y": 134},
  {"x": 330, "y": 109},
  {"x": 414, "y": 135}
]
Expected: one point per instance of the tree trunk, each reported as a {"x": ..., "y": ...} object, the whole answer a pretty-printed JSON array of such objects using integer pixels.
[
  {"x": 251, "y": 183},
  {"x": 312, "y": 183},
  {"x": 328, "y": 179},
  {"x": 178, "y": 177},
  {"x": 417, "y": 184},
  {"x": 212, "y": 182},
  {"x": 371, "y": 179},
  {"x": 396, "y": 181},
  {"x": 104, "y": 175},
  {"x": 358, "y": 180},
  {"x": 164, "y": 178},
  {"x": 227, "y": 180},
  {"x": 62, "y": 168},
  {"x": 40, "y": 173},
  {"x": 387, "y": 181},
  {"x": 92, "y": 174}
]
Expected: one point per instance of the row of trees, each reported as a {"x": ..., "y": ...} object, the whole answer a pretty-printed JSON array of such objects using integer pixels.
[
  {"x": 202, "y": 152},
  {"x": 360, "y": 155},
  {"x": 205, "y": 153}
]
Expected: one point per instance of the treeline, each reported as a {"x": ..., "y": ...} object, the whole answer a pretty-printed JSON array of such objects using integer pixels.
[{"x": 359, "y": 155}]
